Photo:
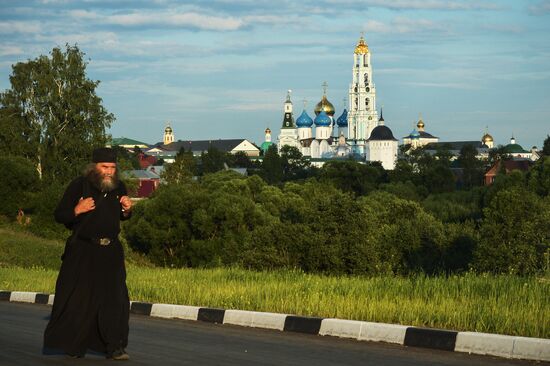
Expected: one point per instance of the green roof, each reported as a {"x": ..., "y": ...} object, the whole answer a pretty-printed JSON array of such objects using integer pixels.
[
  {"x": 514, "y": 149},
  {"x": 266, "y": 145},
  {"x": 126, "y": 141}
]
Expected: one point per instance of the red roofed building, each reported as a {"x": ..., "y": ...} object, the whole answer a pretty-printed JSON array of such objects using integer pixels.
[
  {"x": 509, "y": 165},
  {"x": 146, "y": 160}
]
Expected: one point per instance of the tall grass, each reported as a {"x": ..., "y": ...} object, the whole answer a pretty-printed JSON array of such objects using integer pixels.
[{"x": 495, "y": 304}]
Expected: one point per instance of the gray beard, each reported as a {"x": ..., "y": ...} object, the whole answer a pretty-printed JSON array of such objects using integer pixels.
[
  {"x": 102, "y": 183},
  {"x": 107, "y": 185}
]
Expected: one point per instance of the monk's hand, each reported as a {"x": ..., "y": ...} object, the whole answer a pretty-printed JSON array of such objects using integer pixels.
[
  {"x": 126, "y": 203},
  {"x": 84, "y": 205}
]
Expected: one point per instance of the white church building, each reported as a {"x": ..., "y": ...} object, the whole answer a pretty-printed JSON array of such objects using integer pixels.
[{"x": 357, "y": 134}]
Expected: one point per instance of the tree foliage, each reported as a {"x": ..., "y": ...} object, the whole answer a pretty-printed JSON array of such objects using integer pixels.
[
  {"x": 515, "y": 233},
  {"x": 352, "y": 176},
  {"x": 212, "y": 161},
  {"x": 546, "y": 146},
  {"x": 19, "y": 180},
  {"x": 272, "y": 166},
  {"x": 472, "y": 167},
  {"x": 182, "y": 169},
  {"x": 51, "y": 114}
]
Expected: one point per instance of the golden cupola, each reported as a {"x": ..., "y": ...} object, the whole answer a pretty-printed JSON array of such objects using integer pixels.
[
  {"x": 361, "y": 47},
  {"x": 420, "y": 124},
  {"x": 324, "y": 105},
  {"x": 487, "y": 138}
]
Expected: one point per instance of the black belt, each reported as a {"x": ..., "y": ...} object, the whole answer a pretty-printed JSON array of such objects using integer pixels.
[{"x": 98, "y": 241}]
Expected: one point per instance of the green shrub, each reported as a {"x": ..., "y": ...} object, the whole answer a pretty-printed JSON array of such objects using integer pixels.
[
  {"x": 515, "y": 233},
  {"x": 19, "y": 178}
]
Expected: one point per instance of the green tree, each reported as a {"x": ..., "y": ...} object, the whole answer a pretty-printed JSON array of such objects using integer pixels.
[
  {"x": 295, "y": 165},
  {"x": 181, "y": 170},
  {"x": 239, "y": 160},
  {"x": 125, "y": 160},
  {"x": 438, "y": 178},
  {"x": 212, "y": 160},
  {"x": 472, "y": 167},
  {"x": 352, "y": 176},
  {"x": 443, "y": 155},
  {"x": 272, "y": 166},
  {"x": 53, "y": 109},
  {"x": 515, "y": 234},
  {"x": 539, "y": 176},
  {"x": 497, "y": 154},
  {"x": 546, "y": 146},
  {"x": 19, "y": 179},
  {"x": 406, "y": 238}
]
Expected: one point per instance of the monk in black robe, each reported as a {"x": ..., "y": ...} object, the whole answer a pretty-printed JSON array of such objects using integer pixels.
[{"x": 91, "y": 304}]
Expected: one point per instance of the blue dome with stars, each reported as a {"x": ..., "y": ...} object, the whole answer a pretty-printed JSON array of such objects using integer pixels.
[
  {"x": 343, "y": 119},
  {"x": 304, "y": 120},
  {"x": 322, "y": 119}
]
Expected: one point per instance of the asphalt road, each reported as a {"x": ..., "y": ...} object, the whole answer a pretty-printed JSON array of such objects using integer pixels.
[{"x": 178, "y": 342}]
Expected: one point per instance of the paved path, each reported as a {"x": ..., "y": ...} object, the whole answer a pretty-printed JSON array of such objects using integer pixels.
[{"x": 178, "y": 342}]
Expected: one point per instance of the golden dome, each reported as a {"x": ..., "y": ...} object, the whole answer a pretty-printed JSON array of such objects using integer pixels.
[
  {"x": 487, "y": 138},
  {"x": 168, "y": 129},
  {"x": 324, "y": 105},
  {"x": 361, "y": 47}
]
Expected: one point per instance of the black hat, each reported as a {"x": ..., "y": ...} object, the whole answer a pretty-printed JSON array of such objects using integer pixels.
[{"x": 104, "y": 155}]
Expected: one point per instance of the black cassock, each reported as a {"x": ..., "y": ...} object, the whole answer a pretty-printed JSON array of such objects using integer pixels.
[{"x": 91, "y": 304}]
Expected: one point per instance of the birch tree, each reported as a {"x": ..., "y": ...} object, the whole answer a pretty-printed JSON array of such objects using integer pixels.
[{"x": 52, "y": 115}]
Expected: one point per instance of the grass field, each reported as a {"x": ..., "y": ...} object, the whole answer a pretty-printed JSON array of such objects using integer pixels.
[{"x": 496, "y": 304}]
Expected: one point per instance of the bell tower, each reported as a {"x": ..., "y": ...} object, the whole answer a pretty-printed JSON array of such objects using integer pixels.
[
  {"x": 289, "y": 132},
  {"x": 168, "y": 135},
  {"x": 363, "y": 116}
]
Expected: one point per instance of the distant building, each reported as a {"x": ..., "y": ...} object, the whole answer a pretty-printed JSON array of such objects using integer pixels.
[
  {"x": 198, "y": 147},
  {"x": 168, "y": 135},
  {"x": 419, "y": 138},
  {"x": 507, "y": 166},
  {"x": 127, "y": 143},
  {"x": 358, "y": 134},
  {"x": 147, "y": 181},
  {"x": 516, "y": 151},
  {"x": 454, "y": 147}
]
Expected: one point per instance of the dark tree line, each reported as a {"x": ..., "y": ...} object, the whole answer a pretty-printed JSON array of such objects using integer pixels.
[{"x": 351, "y": 218}]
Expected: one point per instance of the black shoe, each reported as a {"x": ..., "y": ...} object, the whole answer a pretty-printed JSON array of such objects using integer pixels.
[{"x": 119, "y": 355}]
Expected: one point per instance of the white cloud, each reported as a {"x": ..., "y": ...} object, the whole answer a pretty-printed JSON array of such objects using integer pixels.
[
  {"x": 46, "y": 2},
  {"x": 101, "y": 40},
  {"x": 541, "y": 8},
  {"x": 190, "y": 20},
  {"x": 403, "y": 25},
  {"x": 433, "y": 5},
  {"x": 467, "y": 86},
  {"x": 83, "y": 14},
  {"x": 8, "y": 27},
  {"x": 505, "y": 28},
  {"x": 10, "y": 50},
  {"x": 253, "y": 100}
]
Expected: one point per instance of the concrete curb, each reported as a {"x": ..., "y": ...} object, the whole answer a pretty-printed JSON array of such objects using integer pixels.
[{"x": 537, "y": 349}]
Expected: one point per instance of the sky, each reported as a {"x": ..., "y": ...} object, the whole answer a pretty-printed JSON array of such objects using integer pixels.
[{"x": 221, "y": 69}]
